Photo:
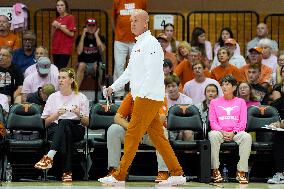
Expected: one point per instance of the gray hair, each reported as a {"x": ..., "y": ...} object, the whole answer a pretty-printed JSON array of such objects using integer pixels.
[{"x": 265, "y": 42}]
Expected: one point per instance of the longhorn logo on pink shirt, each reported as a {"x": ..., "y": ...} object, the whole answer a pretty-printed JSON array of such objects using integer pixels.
[{"x": 228, "y": 109}]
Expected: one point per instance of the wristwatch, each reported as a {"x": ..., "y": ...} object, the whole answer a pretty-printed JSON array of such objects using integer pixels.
[{"x": 235, "y": 132}]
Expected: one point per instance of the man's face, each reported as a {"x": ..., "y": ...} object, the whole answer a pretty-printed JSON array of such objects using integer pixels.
[
  {"x": 194, "y": 56},
  {"x": 198, "y": 70},
  {"x": 167, "y": 70},
  {"x": 262, "y": 30},
  {"x": 138, "y": 24},
  {"x": 253, "y": 75},
  {"x": 255, "y": 57},
  {"x": 28, "y": 42},
  {"x": 228, "y": 88},
  {"x": 172, "y": 90},
  {"x": 231, "y": 47},
  {"x": 5, "y": 58},
  {"x": 164, "y": 43},
  {"x": 4, "y": 24},
  {"x": 223, "y": 56}
]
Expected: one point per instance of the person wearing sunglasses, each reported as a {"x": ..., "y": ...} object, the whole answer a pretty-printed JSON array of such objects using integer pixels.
[{"x": 90, "y": 46}]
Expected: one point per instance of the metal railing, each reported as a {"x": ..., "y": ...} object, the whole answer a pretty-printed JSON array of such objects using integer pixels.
[
  {"x": 275, "y": 23},
  {"x": 242, "y": 23}
]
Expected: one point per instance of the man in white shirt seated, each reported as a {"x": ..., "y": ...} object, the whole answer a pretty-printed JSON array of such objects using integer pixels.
[
  {"x": 175, "y": 97},
  {"x": 195, "y": 88},
  {"x": 39, "y": 78},
  {"x": 235, "y": 59}
]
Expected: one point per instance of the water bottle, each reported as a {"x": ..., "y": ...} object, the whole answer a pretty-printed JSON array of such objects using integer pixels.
[
  {"x": 225, "y": 173},
  {"x": 9, "y": 172}
]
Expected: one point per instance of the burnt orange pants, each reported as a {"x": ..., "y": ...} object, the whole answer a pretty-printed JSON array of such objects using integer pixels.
[{"x": 145, "y": 118}]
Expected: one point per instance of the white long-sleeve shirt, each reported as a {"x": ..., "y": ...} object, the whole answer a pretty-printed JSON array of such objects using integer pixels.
[{"x": 145, "y": 69}]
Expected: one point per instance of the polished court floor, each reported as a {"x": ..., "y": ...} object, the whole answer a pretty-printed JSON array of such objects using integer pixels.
[{"x": 131, "y": 185}]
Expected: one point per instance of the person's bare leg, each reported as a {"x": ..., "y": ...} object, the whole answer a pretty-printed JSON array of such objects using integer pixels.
[{"x": 80, "y": 73}]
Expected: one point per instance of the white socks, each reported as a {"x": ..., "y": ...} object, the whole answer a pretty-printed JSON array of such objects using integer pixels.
[{"x": 51, "y": 154}]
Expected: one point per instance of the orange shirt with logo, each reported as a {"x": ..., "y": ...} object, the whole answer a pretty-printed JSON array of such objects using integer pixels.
[
  {"x": 122, "y": 10},
  {"x": 219, "y": 72},
  {"x": 11, "y": 40},
  {"x": 126, "y": 107}
]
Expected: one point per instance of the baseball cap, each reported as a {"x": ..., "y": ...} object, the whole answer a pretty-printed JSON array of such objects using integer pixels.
[
  {"x": 162, "y": 36},
  {"x": 91, "y": 21},
  {"x": 230, "y": 41},
  {"x": 168, "y": 62},
  {"x": 256, "y": 49},
  {"x": 48, "y": 89},
  {"x": 43, "y": 65}
]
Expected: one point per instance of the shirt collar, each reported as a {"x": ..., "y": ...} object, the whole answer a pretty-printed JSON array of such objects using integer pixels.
[{"x": 143, "y": 35}]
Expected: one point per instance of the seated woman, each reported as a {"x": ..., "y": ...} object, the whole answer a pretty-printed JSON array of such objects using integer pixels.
[
  {"x": 66, "y": 112},
  {"x": 183, "y": 51},
  {"x": 244, "y": 91},
  {"x": 169, "y": 30},
  {"x": 278, "y": 142}
]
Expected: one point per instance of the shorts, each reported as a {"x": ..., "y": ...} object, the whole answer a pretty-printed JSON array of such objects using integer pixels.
[{"x": 89, "y": 69}]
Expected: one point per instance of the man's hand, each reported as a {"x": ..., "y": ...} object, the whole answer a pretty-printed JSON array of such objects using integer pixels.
[{"x": 107, "y": 91}]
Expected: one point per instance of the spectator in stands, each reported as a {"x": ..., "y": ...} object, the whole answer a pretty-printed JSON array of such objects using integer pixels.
[
  {"x": 90, "y": 46},
  {"x": 7, "y": 38},
  {"x": 25, "y": 56},
  {"x": 62, "y": 34},
  {"x": 40, "y": 51},
  {"x": 4, "y": 102},
  {"x": 124, "y": 39},
  {"x": 261, "y": 33},
  {"x": 65, "y": 112},
  {"x": 175, "y": 97},
  {"x": 255, "y": 57},
  {"x": 226, "y": 33},
  {"x": 195, "y": 87},
  {"x": 163, "y": 40},
  {"x": 278, "y": 142},
  {"x": 116, "y": 133},
  {"x": 41, "y": 95},
  {"x": 42, "y": 76},
  {"x": 244, "y": 91},
  {"x": 183, "y": 51},
  {"x": 168, "y": 67},
  {"x": 211, "y": 92},
  {"x": 228, "y": 118},
  {"x": 198, "y": 39},
  {"x": 268, "y": 58},
  {"x": 11, "y": 78},
  {"x": 235, "y": 58},
  {"x": 184, "y": 69},
  {"x": 169, "y": 32},
  {"x": 225, "y": 68},
  {"x": 280, "y": 68}
]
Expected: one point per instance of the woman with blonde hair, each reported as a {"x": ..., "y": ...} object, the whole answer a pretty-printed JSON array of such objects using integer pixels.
[
  {"x": 65, "y": 114},
  {"x": 183, "y": 51}
]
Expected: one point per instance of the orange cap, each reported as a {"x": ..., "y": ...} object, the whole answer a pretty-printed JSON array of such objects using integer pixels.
[
  {"x": 230, "y": 41},
  {"x": 257, "y": 49}
]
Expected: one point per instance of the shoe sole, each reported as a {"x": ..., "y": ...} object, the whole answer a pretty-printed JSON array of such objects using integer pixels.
[
  {"x": 242, "y": 182},
  {"x": 174, "y": 184},
  {"x": 43, "y": 168},
  {"x": 111, "y": 183}
]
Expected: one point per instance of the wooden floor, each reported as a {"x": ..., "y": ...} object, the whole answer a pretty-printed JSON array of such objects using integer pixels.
[{"x": 131, "y": 185}]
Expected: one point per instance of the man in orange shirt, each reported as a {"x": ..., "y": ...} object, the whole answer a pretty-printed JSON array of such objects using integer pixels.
[
  {"x": 225, "y": 68},
  {"x": 163, "y": 40},
  {"x": 124, "y": 38},
  {"x": 116, "y": 133},
  {"x": 255, "y": 57},
  {"x": 6, "y": 38}
]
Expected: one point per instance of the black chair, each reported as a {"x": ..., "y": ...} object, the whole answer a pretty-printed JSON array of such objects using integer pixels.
[
  {"x": 258, "y": 117},
  {"x": 101, "y": 119},
  {"x": 187, "y": 117},
  {"x": 26, "y": 140}
]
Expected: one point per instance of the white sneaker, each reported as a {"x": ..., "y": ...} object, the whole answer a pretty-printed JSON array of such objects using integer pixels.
[
  {"x": 110, "y": 180},
  {"x": 173, "y": 181},
  {"x": 278, "y": 178}
]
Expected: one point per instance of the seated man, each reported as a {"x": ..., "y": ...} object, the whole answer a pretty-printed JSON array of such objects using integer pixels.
[
  {"x": 42, "y": 76},
  {"x": 8, "y": 38},
  {"x": 25, "y": 56},
  {"x": 11, "y": 78},
  {"x": 116, "y": 133},
  {"x": 228, "y": 119},
  {"x": 90, "y": 46},
  {"x": 41, "y": 95},
  {"x": 163, "y": 40},
  {"x": 175, "y": 97}
]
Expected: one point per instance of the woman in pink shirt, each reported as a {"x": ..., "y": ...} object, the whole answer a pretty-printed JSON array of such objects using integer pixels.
[
  {"x": 66, "y": 112},
  {"x": 228, "y": 119},
  {"x": 244, "y": 91},
  {"x": 62, "y": 34}
]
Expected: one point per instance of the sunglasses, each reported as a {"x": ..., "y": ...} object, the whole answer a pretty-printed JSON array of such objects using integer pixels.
[{"x": 91, "y": 21}]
